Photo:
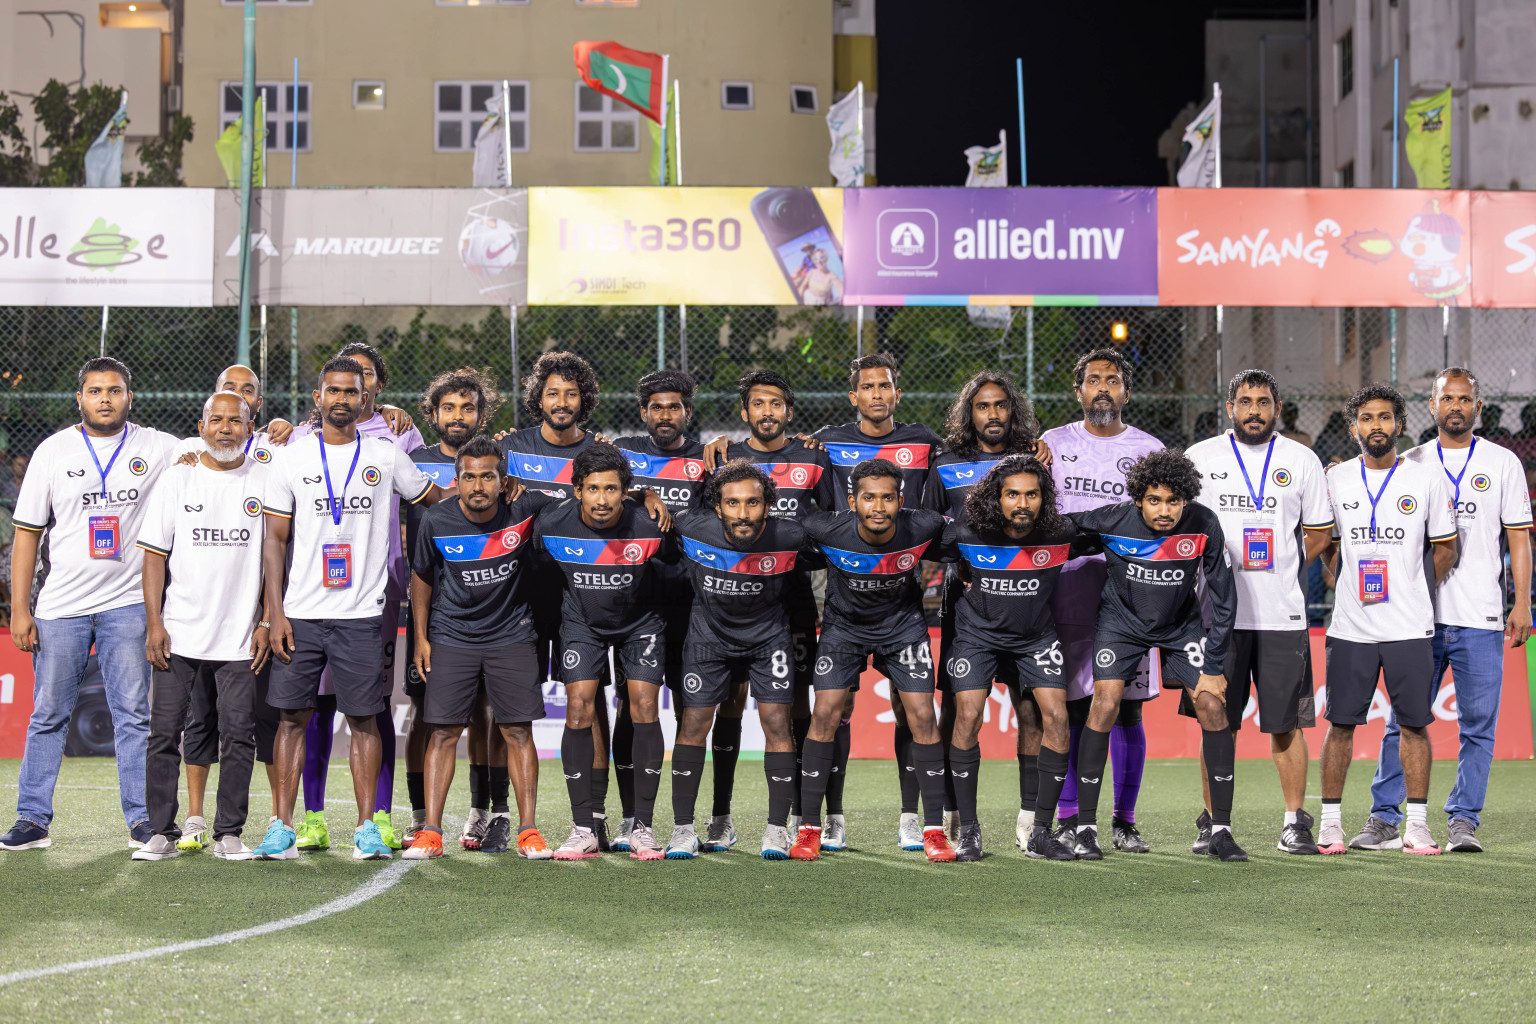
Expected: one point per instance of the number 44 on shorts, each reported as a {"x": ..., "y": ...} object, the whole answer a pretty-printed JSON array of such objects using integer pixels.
[{"x": 913, "y": 655}]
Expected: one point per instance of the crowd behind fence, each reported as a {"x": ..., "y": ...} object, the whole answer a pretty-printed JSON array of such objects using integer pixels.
[{"x": 1182, "y": 358}]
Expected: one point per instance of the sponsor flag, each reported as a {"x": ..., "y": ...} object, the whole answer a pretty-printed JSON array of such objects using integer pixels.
[
  {"x": 665, "y": 137},
  {"x": 228, "y": 148},
  {"x": 104, "y": 160},
  {"x": 988, "y": 164},
  {"x": 491, "y": 148},
  {"x": 630, "y": 76},
  {"x": 1202, "y": 165},
  {"x": 845, "y": 121},
  {"x": 1428, "y": 142}
]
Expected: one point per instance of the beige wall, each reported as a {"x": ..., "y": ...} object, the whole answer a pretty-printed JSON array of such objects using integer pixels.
[{"x": 412, "y": 43}]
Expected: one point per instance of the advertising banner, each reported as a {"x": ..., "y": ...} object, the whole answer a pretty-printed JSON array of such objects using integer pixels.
[
  {"x": 106, "y": 247},
  {"x": 1504, "y": 249},
  {"x": 1007, "y": 246},
  {"x": 377, "y": 247},
  {"x": 1171, "y": 735},
  {"x": 1313, "y": 247},
  {"x": 665, "y": 246}
]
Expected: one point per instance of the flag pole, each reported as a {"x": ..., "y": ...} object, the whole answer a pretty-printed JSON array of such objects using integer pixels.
[
  {"x": 247, "y": 157},
  {"x": 1018, "y": 66},
  {"x": 677, "y": 127},
  {"x": 1217, "y": 94},
  {"x": 506, "y": 129},
  {"x": 665, "y": 58},
  {"x": 293, "y": 150}
]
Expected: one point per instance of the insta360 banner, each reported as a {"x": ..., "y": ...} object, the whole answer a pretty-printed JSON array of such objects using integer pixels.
[{"x": 665, "y": 246}]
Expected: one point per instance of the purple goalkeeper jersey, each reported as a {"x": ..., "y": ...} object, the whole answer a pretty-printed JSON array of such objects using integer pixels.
[{"x": 1089, "y": 472}]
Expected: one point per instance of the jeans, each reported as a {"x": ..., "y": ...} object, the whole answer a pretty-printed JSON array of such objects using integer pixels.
[
  {"x": 1476, "y": 660},
  {"x": 59, "y": 665},
  {"x": 172, "y": 694}
]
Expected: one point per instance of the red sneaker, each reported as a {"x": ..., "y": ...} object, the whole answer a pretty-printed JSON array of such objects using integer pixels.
[
  {"x": 807, "y": 844},
  {"x": 936, "y": 846}
]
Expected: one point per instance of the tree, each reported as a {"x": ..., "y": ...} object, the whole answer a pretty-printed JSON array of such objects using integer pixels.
[
  {"x": 16, "y": 166},
  {"x": 71, "y": 123},
  {"x": 161, "y": 157}
]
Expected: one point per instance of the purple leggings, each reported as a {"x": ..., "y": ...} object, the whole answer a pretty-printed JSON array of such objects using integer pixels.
[
  {"x": 320, "y": 736},
  {"x": 1128, "y": 759}
]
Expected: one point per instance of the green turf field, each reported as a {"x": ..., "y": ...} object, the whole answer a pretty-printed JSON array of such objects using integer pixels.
[{"x": 870, "y": 934}]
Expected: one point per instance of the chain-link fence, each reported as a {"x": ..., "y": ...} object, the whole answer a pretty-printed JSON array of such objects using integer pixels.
[{"x": 1182, "y": 356}]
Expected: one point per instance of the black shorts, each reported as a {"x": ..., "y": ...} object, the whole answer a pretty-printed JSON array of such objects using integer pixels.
[
  {"x": 350, "y": 648},
  {"x": 973, "y": 665},
  {"x": 1116, "y": 655},
  {"x": 1406, "y": 666},
  {"x": 1279, "y": 664},
  {"x": 509, "y": 672},
  {"x": 415, "y": 686},
  {"x": 584, "y": 654},
  {"x": 710, "y": 672},
  {"x": 802, "y": 654},
  {"x": 840, "y": 660},
  {"x": 675, "y": 638}
]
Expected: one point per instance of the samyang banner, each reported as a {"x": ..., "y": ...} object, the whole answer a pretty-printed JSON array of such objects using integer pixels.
[
  {"x": 665, "y": 246},
  {"x": 1504, "y": 249},
  {"x": 1313, "y": 247},
  {"x": 377, "y": 247},
  {"x": 1001, "y": 247},
  {"x": 106, "y": 247}
]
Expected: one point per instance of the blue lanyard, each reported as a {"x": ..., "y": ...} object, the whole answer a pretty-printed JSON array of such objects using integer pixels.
[
  {"x": 1374, "y": 498},
  {"x": 115, "y": 453},
  {"x": 325, "y": 471},
  {"x": 1456, "y": 480},
  {"x": 1258, "y": 499}
]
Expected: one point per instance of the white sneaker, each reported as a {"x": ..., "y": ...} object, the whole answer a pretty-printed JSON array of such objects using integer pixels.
[
  {"x": 161, "y": 848},
  {"x": 1417, "y": 839},
  {"x": 909, "y": 834},
  {"x": 776, "y": 843},
  {"x": 643, "y": 844},
  {"x": 1025, "y": 826},
  {"x": 579, "y": 845},
  {"x": 231, "y": 848},
  {"x": 793, "y": 825},
  {"x": 474, "y": 828},
  {"x": 722, "y": 834},
  {"x": 1330, "y": 838},
  {"x": 194, "y": 834},
  {"x": 684, "y": 844},
  {"x": 620, "y": 842},
  {"x": 834, "y": 833}
]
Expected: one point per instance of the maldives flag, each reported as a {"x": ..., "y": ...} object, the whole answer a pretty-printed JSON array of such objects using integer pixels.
[{"x": 631, "y": 76}]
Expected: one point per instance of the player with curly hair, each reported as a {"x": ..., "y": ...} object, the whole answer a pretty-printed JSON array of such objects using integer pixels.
[{"x": 1157, "y": 546}]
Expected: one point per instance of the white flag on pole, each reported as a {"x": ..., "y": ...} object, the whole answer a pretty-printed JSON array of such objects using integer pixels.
[
  {"x": 846, "y": 123},
  {"x": 490, "y": 149},
  {"x": 988, "y": 164},
  {"x": 104, "y": 160},
  {"x": 1202, "y": 167}
]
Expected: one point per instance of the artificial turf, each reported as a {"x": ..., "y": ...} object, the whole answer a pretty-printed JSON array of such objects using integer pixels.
[{"x": 869, "y": 934}]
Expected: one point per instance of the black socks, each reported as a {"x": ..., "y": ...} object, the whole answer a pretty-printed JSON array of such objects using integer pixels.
[
  {"x": 479, "y": 786},
  {"x": 1220, "y": 750},
  {"x": 501, "y": 783},
  {"x": 576, "y": 753},
  {"x": 782, "y": 773},
  {"x": 964, "y": 767},
  {"x": 928, "y": 760},
  {"x": 815, "y": 773},
  {"x": 687, "y": 773},
  {"x": 1092, "y": 755},
  {"x": 1029, "y": 781},
  {"x": 906, "y": 771},
  {"x": 1049, "y": 779},
  {"x": 842, "y": 740},
  {"x": 725, "y": 748},
  {"x": 650, "y": 749}
]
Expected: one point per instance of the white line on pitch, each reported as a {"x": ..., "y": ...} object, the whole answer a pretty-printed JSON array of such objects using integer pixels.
[{"x": 378, "y": 884}]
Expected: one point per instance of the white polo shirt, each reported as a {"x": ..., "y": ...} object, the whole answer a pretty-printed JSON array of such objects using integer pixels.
[
  {"x": 1413, "y": 510},
  {"x": 1491, "y": 497},
  {"x": 1265, "y": 542},
  {"x": 339, "y": 568},
  {"x": 91, "y": 525},
  {"x": 209, "y": 525}
]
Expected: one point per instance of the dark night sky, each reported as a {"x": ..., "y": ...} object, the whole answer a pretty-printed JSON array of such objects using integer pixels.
[{"x": 1102, "y": 81}]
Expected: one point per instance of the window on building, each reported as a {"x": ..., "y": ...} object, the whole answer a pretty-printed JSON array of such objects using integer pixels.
[
  {"x": 736, "y": 95},
  {"x": 603, "y": 123},
  {"x": 802, "y": 99},
  {"x": 368, "y": 95},
  {"x": 1346, "y": 175},
  {"x": 1345, "y": 58},
  {"x": 459, "y": 111},
  {"x": 287, "y": 113}
]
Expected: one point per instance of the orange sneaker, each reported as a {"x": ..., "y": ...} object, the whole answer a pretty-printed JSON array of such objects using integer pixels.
[
  {"x": 531, "y": 845},
  {"x": 807, "y": 844},
  {"x": 936, "y": 846},
  {"x": 428, "y": 845}
]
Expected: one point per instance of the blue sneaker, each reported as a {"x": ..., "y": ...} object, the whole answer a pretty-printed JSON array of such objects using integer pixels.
[
  {"x": 368, "y": 844},
  {"x": 24, "y": 835},
  {"x": 278, "y": 844}
]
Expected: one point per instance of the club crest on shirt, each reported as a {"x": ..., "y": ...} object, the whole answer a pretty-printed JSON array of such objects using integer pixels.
[
  {"x": 1042, "y": 557},
  {"x": 823, "y": 666},
  {"x": 371, "y": 476},
  {"x": 252, "y": 507},
  {"x": 1406, "y": 505},
  {"x": 1282, "y": 478},
  {"x": 137, "y": 466},
  {"x": 1185, "y": 547},
  {"x": 798, "y": 475},
  {"x": 1481, "y": 482},
  {"x": 906, "y": 561},
  {"x": 572, "y": 659},
  {"x": 261, "y": 455},
  {"x": 692, "y": 683},
  {"x": 1125, "y": 464},
  {"x": 634, "y": 553},
  {"x": 1105, "y": 658}
]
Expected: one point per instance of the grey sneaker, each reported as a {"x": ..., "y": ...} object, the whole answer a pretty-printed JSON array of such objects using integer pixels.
[
  {"x": 684, "y": 844},
  {"x": 776, "y": 843},
  {"x": 157, "y": 848},
  {"x": 834, "y": 833},
  {"x": 643, "y": 844},
  {"x": 1378, "y": 834},
  {"x": 1202, "y": 841},
  {"x": 952, "y": 826},
  {"x": 793, "y": 825},
  {"x": 620, "y": 842},
  {"x": 909, "y": 834},
  {"x": 231, "y": 848},
  {"x": 1463, "y": 837},
  {"x": 721, "y": 836},
  {"x": 1023, "y": 829},
  {"x": 1127, "y": 839}
]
